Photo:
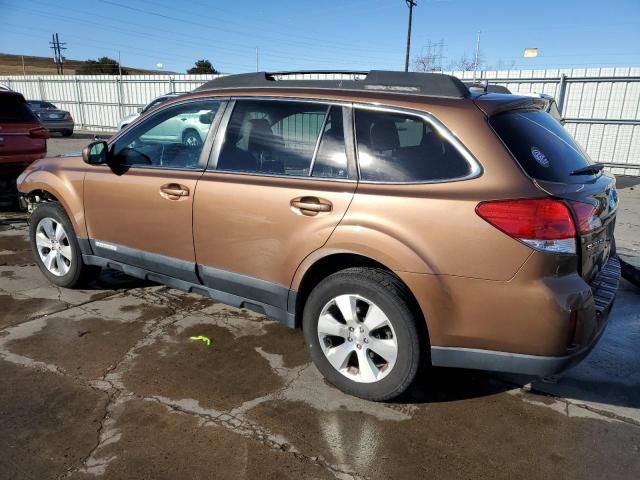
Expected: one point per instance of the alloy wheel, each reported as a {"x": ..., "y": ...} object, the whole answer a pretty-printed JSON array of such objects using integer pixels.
[
  {"x": 357, "y": 338},
  {"x": 52, "y": 243}
]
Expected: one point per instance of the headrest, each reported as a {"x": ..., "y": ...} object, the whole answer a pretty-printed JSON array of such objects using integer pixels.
[{"x": 384, "y": 135}]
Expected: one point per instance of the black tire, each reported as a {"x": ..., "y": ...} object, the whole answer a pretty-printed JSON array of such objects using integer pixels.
[
  {"x": 67, "y": 133},
  {"x": 388, "y": 293},
  {"x": 191, "y": 133},
  {"x": 78, "y": 272}
]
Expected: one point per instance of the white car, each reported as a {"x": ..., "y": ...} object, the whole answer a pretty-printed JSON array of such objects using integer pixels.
[{"x": 153, "y": 103}]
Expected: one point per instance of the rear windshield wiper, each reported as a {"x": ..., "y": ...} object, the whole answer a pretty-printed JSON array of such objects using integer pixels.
[{"x": 589, "y": 169}]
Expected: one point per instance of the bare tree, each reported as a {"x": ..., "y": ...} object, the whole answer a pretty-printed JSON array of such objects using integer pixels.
[
  {"x": 467, "y": 63},
  {"x": 426, "y": 63},
  {"x": 503, "y": 65}
]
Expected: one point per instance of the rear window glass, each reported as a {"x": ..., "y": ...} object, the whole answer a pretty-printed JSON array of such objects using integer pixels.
[
  {"x": 401, "y": 148},
  {"x": 13, "y": 109},
  {"x": 542, "y": 146}
]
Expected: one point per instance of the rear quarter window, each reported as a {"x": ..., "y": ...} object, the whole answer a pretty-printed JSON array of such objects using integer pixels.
[
  {"x": 541, "y": 145},
  {"x": 14, "y": 109},
  {"x": 395, "y": 147}
]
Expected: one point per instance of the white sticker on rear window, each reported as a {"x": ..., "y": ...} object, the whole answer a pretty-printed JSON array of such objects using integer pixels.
[{"x": 540, "y": 157}]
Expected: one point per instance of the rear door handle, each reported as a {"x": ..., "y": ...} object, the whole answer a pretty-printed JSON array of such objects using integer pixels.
[
  {"x": 174, "y": 191},
  {"x": 311, "y": 206}
]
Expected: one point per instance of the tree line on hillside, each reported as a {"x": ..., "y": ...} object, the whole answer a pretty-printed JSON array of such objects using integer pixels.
[{"x": 109, "y": 66}]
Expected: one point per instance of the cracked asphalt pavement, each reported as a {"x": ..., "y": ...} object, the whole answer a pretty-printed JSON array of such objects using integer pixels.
[{"x": 106, "y": 383}]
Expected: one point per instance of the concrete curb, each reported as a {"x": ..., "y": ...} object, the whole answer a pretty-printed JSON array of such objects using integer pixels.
[{"x": 630, "y": 269}]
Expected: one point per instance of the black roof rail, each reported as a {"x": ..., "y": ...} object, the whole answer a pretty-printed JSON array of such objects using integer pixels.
[{"x": 413, "y": 83}]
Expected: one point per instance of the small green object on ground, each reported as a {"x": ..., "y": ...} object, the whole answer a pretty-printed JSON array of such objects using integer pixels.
[{"x": 203, "y": 339}]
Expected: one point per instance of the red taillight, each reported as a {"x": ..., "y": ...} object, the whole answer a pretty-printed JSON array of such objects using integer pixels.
[
  {"x": 542, "y": 223},
  {"x": 67, "y": 116},
  {"x": 587, "y": 217},
  {"x": 39, "y": 132}
]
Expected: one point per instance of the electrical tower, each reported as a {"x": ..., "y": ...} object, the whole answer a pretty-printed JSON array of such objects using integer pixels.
[{"x": 57, "y": 46}]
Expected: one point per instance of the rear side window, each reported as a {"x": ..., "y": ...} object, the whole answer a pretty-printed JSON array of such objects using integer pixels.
[
  {"x": 541, "y": 145},
  {"x": 13, "y": 109},
  {"x": 397, "y": 147},
  {"x": 272, "y": 137}
]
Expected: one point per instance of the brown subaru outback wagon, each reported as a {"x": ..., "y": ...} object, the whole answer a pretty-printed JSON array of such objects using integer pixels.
[{"x": 399, "y": 219}]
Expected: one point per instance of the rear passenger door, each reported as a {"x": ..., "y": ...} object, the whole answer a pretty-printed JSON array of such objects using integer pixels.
[{"x": 280, "y": 179}]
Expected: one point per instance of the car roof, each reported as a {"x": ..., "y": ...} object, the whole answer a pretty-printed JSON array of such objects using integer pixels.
[{"x": 374, "y": 81}]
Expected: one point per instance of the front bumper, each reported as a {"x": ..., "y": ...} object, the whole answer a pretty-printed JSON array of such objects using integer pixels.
[{"x": 603, "y": 289}]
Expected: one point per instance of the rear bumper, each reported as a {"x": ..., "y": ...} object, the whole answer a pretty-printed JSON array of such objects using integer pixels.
[
  {"x": 603, "y": 289},
  {"x": 59, "y": 125}
]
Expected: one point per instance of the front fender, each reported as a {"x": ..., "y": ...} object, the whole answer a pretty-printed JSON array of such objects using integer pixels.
[{"x": 66, "y": 184}]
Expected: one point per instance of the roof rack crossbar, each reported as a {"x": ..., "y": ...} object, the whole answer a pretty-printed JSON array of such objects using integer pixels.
[{"x": 413, "y": 83}]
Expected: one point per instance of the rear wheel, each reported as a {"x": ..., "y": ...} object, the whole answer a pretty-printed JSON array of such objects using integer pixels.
[
  {"x": 362, "y": 333},
  {"x": 55, "y": 246},
  {"x": 67, "y": 133}
]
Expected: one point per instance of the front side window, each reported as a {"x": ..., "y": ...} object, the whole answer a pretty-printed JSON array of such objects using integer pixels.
[
  {"x": 399, "y": 147},
  {"x": 171, "y": 139},
  {"x": 271, "y": 137}
]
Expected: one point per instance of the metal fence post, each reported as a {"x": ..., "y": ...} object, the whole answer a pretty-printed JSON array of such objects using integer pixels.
[
  {"x": 80, "y": 103},
  {"x": 41, "y": 89},
  {"x": 562, "y": 90}
]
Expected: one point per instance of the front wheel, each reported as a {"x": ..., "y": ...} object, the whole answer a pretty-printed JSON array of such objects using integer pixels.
[
  {"x": 55, "y": 246},
  {"x": 362, "y": 333}
]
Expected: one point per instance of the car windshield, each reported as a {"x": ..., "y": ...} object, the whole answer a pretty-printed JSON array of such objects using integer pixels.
[{"x": 41, "y": 105}]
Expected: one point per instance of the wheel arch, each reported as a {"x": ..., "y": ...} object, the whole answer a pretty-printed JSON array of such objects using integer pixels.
[
  {"x": 47, "y": 187},
  {"x": 332, "y": 262}
]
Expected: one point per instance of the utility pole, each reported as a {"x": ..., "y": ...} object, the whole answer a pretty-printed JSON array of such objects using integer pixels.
[
  {"x": 410, "y": 4},
  {"x": 477, "y": 60},
  {"x": 57, "y": 48}
]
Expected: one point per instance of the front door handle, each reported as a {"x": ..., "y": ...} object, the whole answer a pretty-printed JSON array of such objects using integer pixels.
[
  {"x": 174, "y": 191},
  {"x": 311, "y": 206}
]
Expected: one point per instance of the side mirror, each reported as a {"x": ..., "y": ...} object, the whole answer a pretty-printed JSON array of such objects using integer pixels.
[
  {"x": 96, "y": 153},
  {"x": 139, "y": 109}
]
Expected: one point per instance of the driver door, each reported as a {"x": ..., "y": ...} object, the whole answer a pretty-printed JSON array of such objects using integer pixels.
[{"x": 139, "y": 207}]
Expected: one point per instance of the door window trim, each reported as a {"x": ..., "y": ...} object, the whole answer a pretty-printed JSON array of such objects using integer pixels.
[
  {"x": 348, "y": 140},
  {"x": 474, "y": 166},
  {"x": 206, "y": 146}
]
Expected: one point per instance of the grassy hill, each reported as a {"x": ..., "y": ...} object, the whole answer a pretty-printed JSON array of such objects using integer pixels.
[{"x": 12, "y": 65}]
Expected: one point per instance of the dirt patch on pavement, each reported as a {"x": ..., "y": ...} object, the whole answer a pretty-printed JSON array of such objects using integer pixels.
[
  {"x": 15, "y": 250},
  {"x": 157, "y": 443},
  {"x": 222, "y": 376},
  {"x": 474, "y": 438},
  {"x": 16, "y": 310},
  {"x": 82, "y": 348},
  {"x": 48, "y": 424}
]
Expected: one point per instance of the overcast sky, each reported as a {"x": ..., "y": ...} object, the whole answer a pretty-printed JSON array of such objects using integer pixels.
[{"x": 328, "y": 34}]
